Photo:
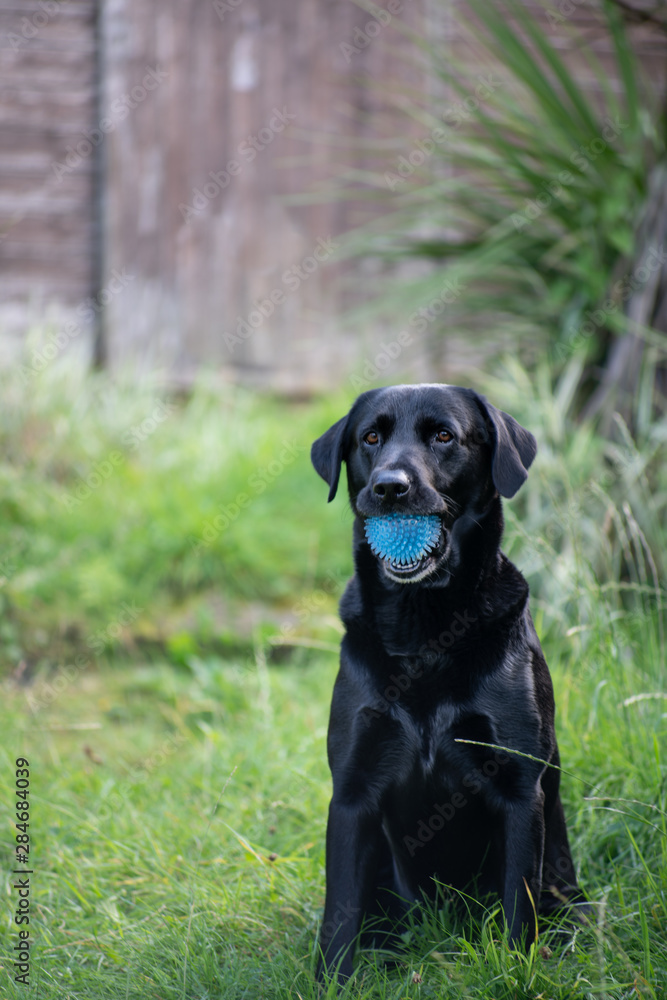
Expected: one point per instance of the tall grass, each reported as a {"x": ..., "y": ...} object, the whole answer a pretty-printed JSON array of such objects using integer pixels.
[
  {"x": 588, "y": 527},
  {"x": 116, "y": 496},
  {"x": 530, "y": 202},
  {"x": 138, "y": 520},
  {"x": 178, "y": 834},
  {"x": 180, "y": 789}
]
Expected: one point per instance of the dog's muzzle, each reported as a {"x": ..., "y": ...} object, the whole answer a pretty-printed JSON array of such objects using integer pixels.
[{"x": 408, "y": 546}]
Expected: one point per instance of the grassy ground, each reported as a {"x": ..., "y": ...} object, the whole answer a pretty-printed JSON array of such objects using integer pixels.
[
  {"x": 178, "y": 821},
  {"x": 132, "y": 515},
  {"x": 177, "y": 752}
]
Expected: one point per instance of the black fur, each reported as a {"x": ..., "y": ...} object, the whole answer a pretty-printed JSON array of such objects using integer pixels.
[{"x": 434, "y": 655}]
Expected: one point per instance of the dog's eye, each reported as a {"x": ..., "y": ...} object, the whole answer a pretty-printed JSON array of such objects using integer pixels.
[
  {"x": 371, "y": 437},
  {"x": 444, "y": 437}
]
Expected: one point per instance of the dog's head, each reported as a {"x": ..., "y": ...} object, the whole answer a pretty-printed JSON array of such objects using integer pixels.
[{"x": 425, "y": 450}]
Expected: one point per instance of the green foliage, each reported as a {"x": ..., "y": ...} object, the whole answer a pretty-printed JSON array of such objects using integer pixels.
[
  {"x": 137, "y": 521},
  {"x": 589, "y": 524},
  {"x": 123, "y": 507},
  {"x": 178, "y": 821},
  {"x": 522, "y": 189},
  {"x": 179, "y": 803}
]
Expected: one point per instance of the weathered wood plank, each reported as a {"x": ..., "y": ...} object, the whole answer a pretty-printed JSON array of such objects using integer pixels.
[
  {"x": 195, "y": 180},
  {"x": 208, "y": 125},
  {"x": 47, "y": 104}
]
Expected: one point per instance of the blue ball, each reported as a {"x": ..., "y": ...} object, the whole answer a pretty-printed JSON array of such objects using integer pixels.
[{"x": 402, "y": 539}]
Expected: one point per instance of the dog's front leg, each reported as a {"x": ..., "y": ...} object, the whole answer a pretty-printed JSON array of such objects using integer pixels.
[
  {"x": 524, "y": 850},
  {"x": 353, "y": 840}
]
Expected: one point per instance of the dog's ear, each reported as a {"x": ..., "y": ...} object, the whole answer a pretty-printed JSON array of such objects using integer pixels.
[
  {"x": 514, "y": 449},
  {"x": 328, "y": 454}
]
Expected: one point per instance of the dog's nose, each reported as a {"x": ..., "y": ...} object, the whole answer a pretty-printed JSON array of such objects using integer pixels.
[{"x": 391, "y": 484}]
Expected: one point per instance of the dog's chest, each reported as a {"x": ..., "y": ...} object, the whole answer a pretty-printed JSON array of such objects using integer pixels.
[
  {"x": 434, "y": 738},
  {"x": 441, "y": 741}
]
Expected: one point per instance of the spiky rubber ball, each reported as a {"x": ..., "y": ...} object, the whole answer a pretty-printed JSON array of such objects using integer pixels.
[{"x": 401, "y": 539}]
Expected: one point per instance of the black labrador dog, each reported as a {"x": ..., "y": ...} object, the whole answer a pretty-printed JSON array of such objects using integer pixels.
[{"x": 441, "y": 738}]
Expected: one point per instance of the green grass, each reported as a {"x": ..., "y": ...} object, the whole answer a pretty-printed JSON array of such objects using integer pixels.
[
  {"x": 178, "y": 820},
  {"x": 190, "y": 532},
  {"x": 123, "y": 502},
  {"x": 177, "y": 748},
  {"x": 518, "y": 197}
]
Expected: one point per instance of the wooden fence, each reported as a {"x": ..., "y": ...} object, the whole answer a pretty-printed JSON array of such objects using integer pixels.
[{"x": 149, "y": 157}]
